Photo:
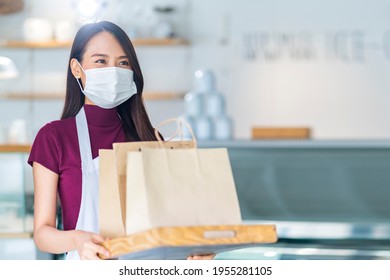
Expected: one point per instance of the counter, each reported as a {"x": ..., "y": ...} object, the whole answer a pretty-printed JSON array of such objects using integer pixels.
[
  {"x": 339, "y": 186},
  {"x": 326, "y": 144}
]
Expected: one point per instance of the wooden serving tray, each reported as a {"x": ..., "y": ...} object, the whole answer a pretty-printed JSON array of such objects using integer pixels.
[{"x": 181, "y": 242}]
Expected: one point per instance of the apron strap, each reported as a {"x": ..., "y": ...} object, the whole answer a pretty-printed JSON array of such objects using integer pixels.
[
  {"x": 84, "y": 141},
  {"x": 88, "y": 217}
]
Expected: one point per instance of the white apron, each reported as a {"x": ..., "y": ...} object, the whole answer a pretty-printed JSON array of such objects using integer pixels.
[{"x": 88, "y": 214}]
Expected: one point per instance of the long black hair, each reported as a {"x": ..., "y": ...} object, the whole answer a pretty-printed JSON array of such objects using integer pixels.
[{"x": 135, "y": 120}]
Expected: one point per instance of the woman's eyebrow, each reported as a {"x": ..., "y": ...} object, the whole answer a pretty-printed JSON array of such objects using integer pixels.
[
  {"x": 106, "y": 55},
  {"x": 99, "y": 54}
]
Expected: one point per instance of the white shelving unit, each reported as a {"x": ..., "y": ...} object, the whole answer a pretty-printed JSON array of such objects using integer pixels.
[{"x": 146, "y": 42}]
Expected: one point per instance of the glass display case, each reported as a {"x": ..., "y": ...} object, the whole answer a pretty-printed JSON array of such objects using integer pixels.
[{"x": 329, "y": 199}]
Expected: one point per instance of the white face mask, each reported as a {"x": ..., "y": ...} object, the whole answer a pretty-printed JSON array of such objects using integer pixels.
[{"x": 108, "y": 87}]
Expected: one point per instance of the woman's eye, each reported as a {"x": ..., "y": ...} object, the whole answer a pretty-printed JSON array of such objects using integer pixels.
[
  {"x": 100, "y": 61},
  {"x": 124, "y": 63}
]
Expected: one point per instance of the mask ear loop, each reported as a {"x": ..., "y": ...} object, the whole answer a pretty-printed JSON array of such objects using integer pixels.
[
  {"x": 81, "y": 88},
  {"x": 82, "y": 69},
  {"x": 77, "y": 79}
]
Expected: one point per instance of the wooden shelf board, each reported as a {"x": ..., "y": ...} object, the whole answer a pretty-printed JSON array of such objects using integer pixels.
[
  {"x": 10, "y": 148},
  {"x": 36, "y": 45},
  {"x": 68, "y": 44},
  {"x": 280, "y": 133},
  {"x": 163, "y": 95},
  {"x": 16, "y": 235},
  {"x": 56, "y": 96},
  {"x": 37, "y": 96},
  {"x": 159, "y": 42}
]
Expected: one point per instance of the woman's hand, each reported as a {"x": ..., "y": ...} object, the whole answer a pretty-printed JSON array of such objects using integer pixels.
[
  {"x": 87, "y": 245},
  {"x": 201, "y": 257}
]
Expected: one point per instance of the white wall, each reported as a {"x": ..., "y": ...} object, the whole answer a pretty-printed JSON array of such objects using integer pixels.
[
  {"x": 340, "y": 94},
  {"x": 322, "y": 64}
]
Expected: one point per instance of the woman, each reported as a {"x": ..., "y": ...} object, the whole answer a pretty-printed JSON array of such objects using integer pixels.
[
  {"x": 103, "y": 71},
  {"x": 103, "y": 105}
]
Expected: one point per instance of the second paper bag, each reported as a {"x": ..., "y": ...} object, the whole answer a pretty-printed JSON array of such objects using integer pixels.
[
  {"x": 112, "y": 183},
  {"x": 182, "y": 187}
]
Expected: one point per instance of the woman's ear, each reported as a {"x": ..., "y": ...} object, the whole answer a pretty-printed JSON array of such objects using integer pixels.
[{"x": 75, "y": 68}]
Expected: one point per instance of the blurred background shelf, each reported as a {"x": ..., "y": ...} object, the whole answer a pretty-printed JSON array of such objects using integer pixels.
[
  {"x": 36, "y": 45},
  {"x": 16, "y": 235},
  {"x": 68, "y": 44},
  {"x": 152, "y": 95},
  {"x": 9, "y": 148}
]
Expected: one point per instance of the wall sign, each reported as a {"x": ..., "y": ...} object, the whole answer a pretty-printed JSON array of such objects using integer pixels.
[{"x": 349, "y": 46}]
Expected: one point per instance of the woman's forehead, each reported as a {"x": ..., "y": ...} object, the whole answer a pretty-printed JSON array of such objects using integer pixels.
[{"x": 104, "y": 43}]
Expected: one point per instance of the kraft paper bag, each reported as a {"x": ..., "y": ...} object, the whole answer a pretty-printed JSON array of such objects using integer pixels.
[
  {"x": 180, "y": 187},
  {"x": 110, "y": 212},
  {"x": 112, "y": 183}
]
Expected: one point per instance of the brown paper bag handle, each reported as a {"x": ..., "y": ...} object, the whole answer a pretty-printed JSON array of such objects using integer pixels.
[{"x": 179, "y": 130}]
